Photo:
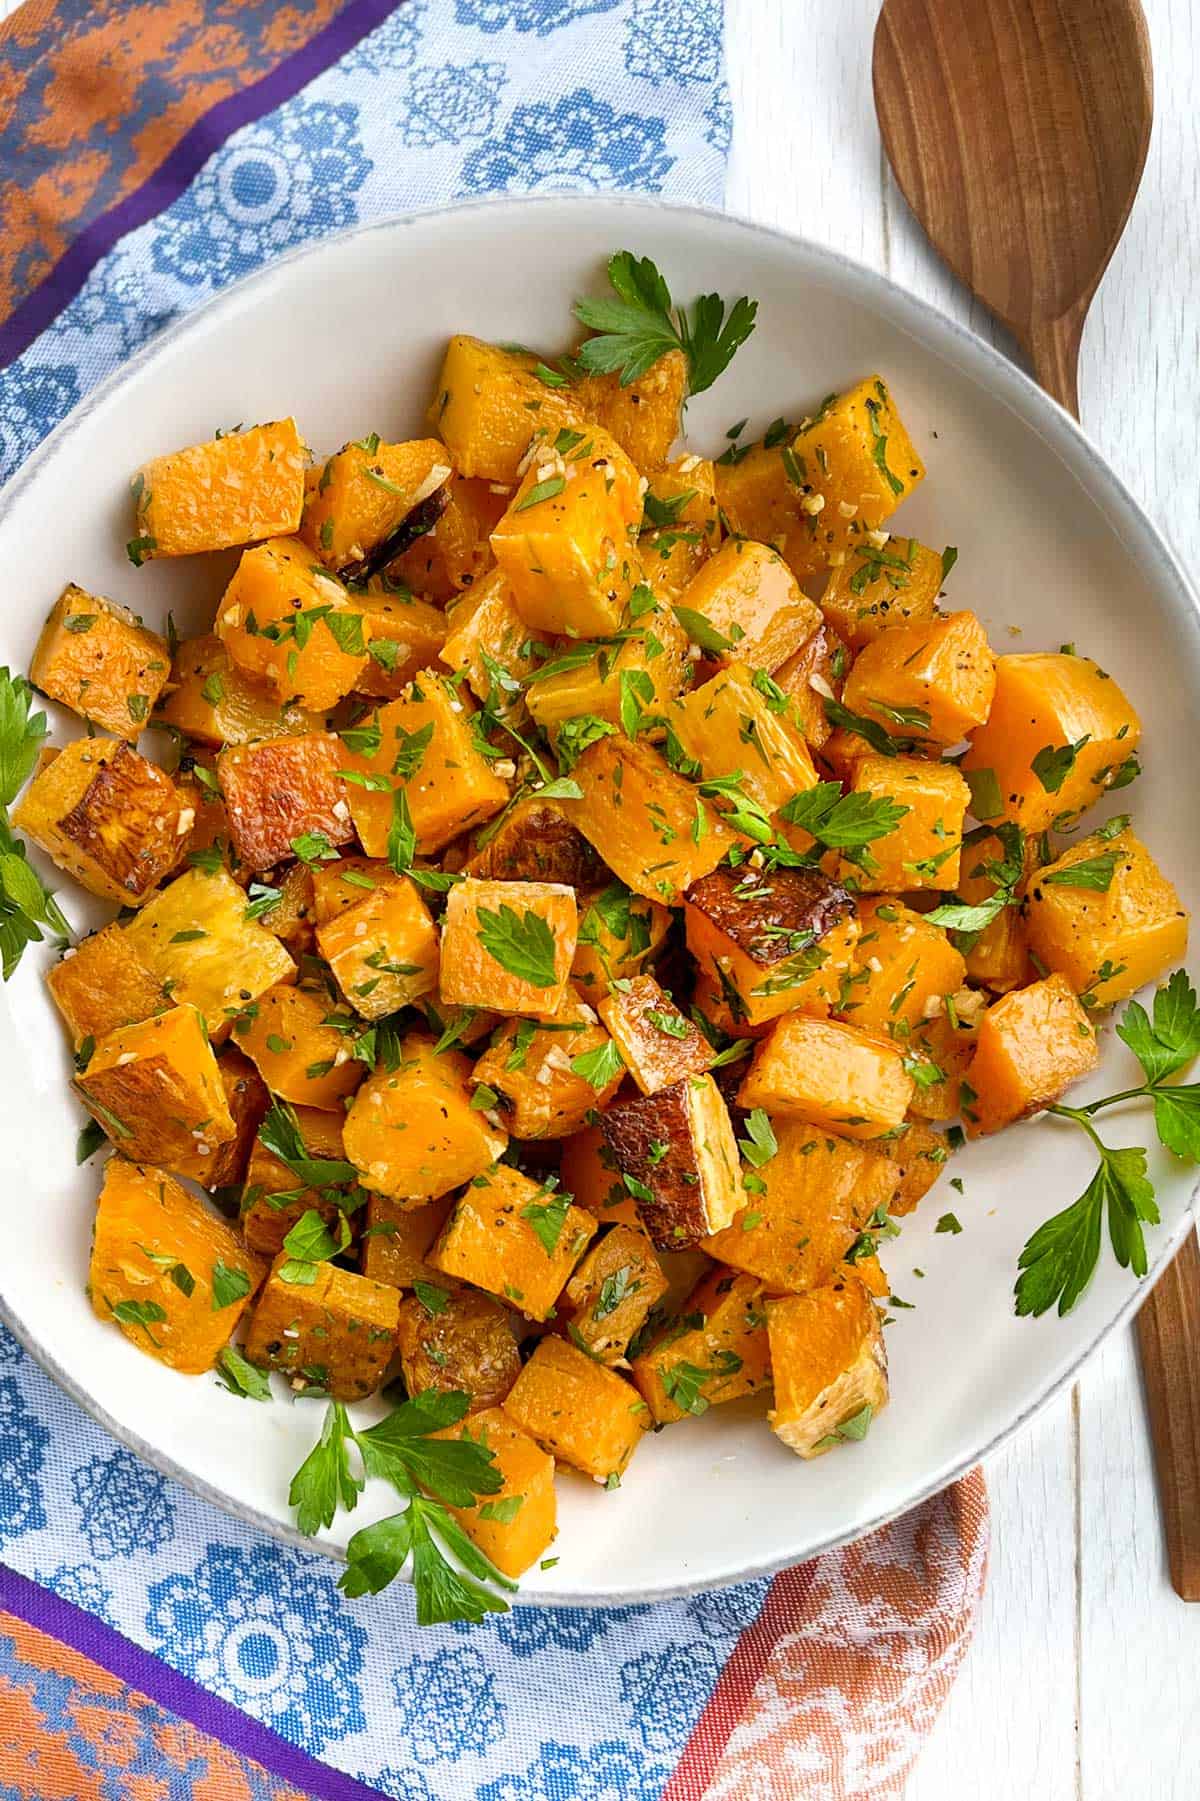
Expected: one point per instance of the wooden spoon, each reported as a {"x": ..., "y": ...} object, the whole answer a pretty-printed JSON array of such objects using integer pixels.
[{"x": 1018, "y": 131}]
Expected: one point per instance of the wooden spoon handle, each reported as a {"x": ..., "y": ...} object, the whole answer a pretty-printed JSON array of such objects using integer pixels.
[
  {"x": 1169, "y": 1338},
  {"x": 1054, "y": 352}
]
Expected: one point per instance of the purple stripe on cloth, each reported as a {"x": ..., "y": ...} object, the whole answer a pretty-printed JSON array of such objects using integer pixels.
[
  {"x": 181, "y": 167},
  {"x": 177, "y": 1694}
]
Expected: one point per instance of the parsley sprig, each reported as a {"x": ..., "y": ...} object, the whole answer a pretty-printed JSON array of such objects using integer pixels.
[
  {"x": 26, "y": 904},
  {"x": 1057, "y": 1263},
  {"x": 643, "y": 324}
]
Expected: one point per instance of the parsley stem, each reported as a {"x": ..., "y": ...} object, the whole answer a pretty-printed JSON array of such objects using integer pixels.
[
  {"x": 1127, "y": 1094},
  {"x": 1081, "y": 1116}
]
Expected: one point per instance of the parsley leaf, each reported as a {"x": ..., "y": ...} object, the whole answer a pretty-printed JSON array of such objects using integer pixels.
[
  {"x": 240, "y": 1377},
  {"x": 547, "y": 1218},
  {"x": 600, "y": 1066},
  {"x": 842, "y": 821},
  {"x": 760, "y": 1143},
  {"x": 280, "y": 1134},
  {"x": 1165, "y": 1041},
  {"x": 326, "y": 1479},
  {"x": 522, "y": 944},
  {"x": 402, "y": 837},
  {"x": 1057, "y": 1262},
  {"x": 702, "y": 632},
  {"x": 642, "y": 324},
  {"x": 1053, "y": 765},
  {"x": 1090, "y": 872}
]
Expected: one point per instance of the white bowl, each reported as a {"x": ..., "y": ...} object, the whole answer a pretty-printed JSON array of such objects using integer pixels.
[{"x": 347, "y": 335}]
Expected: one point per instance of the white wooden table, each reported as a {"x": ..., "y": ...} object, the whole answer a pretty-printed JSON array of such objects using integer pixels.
[{"x": 1081, "y": 1683}]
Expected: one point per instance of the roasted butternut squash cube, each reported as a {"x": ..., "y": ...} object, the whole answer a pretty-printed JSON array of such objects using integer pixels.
[
  {"x": 683, "y": 497},
  {"x": 283, "y": 790},
  {"x": 208, "y": 836},
  {"x": 1106, "y": 917},
  {"x": 488, "y": 403},
  {"x": 828, "y": 1364},
  {"x": 649, "y": 824},
  {"x": 235, "y": 489},
  {"x": 1031, "y": 1045},
  {"x": 485, "y": 627},
  {"x": 611, "y": 1294},
  {"x": 771, "y": 940},
  {"x": 336, "y": 1333},
  {"x": 517, "y": 1524},
  {"x": 101, "y": 983},
  {"x": 722, "y": 1008},
  {"x": 291, "y": 626},
  {"x": 899, "y": 963},
  {"x": 658, "y": 1044},
  {"x": 224, "y": 1165},
  {"x": 365, "y": 492},
  {"x": 817, "y": 1194},
  {"x": 998, "y": 956},
  {"x": 918, "y": 1155},
  {"x": 413, "y": 1131},
  {"x": 815, "y": 674},
  {"x": 582, "y": 1413},
  {"x": 678, "y": 1158},
  {"x": 645, "y": 674},
  {"x": 274, "y": 1197},
  {"x": 514, "y": 1239},
  {"x": 156, "y": 1089},
  {"x": 1060, "y": 733},
  {"x": 99, "y": 659},
  {"x": 212, "y": 700},
  {"x": 384, "y": 951},
  {"x": 457, "y": 1342},
  {"x": 619, "y": 934},
  {"x": 338, "y": 886},
  {"x": 508, "y": 946},
  {"x": 877, "y": 586},
  {"x": 747, "y": 594},
  {"x": 932, "y": 679},
  {"x": 567, "y": 543},
  {"x": 407, "y": 636},
  {"x": 298, "y": 1054},
  {"x": 552, "y": 1071},
  {"x": 947, "y": 1043},
  {"x": 454, "y": 554},
  {"x": 721, "y": 1357},
  {"x": 195, "y": 935},
  {"x": 922, "y": 851},
  {"x": 734, "y": 728},
  {"x": 396, "y": 1239},
  {"x": 165, "y": 1269},
  {"x": 642, "y": 415},
  {"x": 589, "y": 1173},
  {"x": 829, "y": 1074},
  {"x": 537, "y": 843},
  {"x": 107, "y": 816},
  {"x": 426, "y": 747},
  {"x": 290, "y": 918}
]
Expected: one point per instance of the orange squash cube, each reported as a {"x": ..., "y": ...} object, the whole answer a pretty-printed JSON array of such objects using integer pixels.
[
  {"x": 536, "y": 842},
  {"x": 747, "y": 594},
  {"x": 658, "y": 1044},
  {"x": 107, "y": 816},
  {"x": 460, "y": 1343},
  {"x": 876, "y": 587},
  {"x": 99, "y": 659},
  {"x": 619, "y": 934},
  {"x": 720, "y": 1359},
  {"x": 829, "y": 1366},
  {"x": 298, "y": 1055},
  {"x": 283, "y": 790},
  {"x": 517, "y": 1524},
  {"x": 274, "y": 1198},
  {"x": 384, "y": 951},
  {"x": 216, "y": 1166},
  {"x": 454, "y": 555},
  {"x": 291, "y": 626},
  {"x": 336, "y": 1333},
  {"x": 678, "y": 1158},
  {"x": 649, "y": 670},
  {"x": 649, "y": 824},
  {"x": 947, "y": 1043},
  {"x": 552, "y": 1071},
  {"x": 235, "y": 489},
  {"x": 731, "y": 729},
  {"x": 484, "y": 626},
  {"x": 685, "y": 494},
  {"x": 899, "y": 963},
  {"x": 514, "y": 1239},
  {"x": 611, "y": 1294},
  {"x": 1106, "y": 917},
  {"x": 195, "y": 935},
  {"x": 407, "y": 636},
  {"x": 156, "y": 1089},
  {"x": 932, "y": 679},
  {"x": 396, "y": 1239},
  {"x": 642, "y": 415},
  {"x": 1059, "y": 735},
  {"x": 772, "y": 941},
  {"x": 813, "y": 675},
  {"x": 582, "y": 1413},
  {"x": 1030, "y": 1047},
  {"x": 338, "y": 886},
  {"x": 918, "y": 1155},
  {"x": 365, "y": 492},
  {"x": 589, "y": 1173},
  {"x": 998, "y": 956},
  {"x": 166, "y": 1270},
  {"x": 829, "y": 1074},
  {"x": 508, "y": 946},
  {"x": 101, "y": 983},
  {"x": 413, "y": 1131},
  {"x": 290, "y": 918},
  {"x": 211, "y": 700},
  {"x": 487, "y": 404},
  {"x": 922, "y": 851}
]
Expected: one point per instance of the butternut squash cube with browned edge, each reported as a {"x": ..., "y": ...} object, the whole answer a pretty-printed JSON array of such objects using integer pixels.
[
  {"x": 517, "y": 1524},
  {"x": 828, "y": 1364},
  {"x": 721, "y": 1357},
  {"x": 426, "y": 747},
  {"x": 514, "y": 1239},
  {"x": 748, "y": 596},
  {"x": 611, "y": 1294},
  {"x": 485, "y": 627},
  {"x": 678, "y": 1158},
  {"x": 1059, "y": 735},
  {"x": 101, "y": 983},
  {"x": 552, "y": 1071},
  {"x": 817, "y": 496},
  {"x": 1106, "y": 917},
  {"x": 196, "y": 936},
  {"x": 211, "y": 700},
  {"x": 395, "y": 1240},
  {"x": 815, "y": 674},
  {"x": 283, "y": 791},
  {"x": 165, "y": 1269},
  {"x": 235, "y": 489},
  {"x": 537, "y": 843},
  {"x": 567, "y": 543},
  {"x": 831, "y": 1075},
  {"x": 414, "y": 1133},
  {"x": 619, "y": 934},
  {"x": 299, "y": 1055},
  {"x": 384, "y": 951},
  {"x": 291, "y": 626},
  {"x": 196, "y": 780},
  {"x": 817, "y": 1194},
  {"x": 681, "y": 524},
  {"x": 364, "y": 497},
  {"x": 998, "y": 956},
  {"x": 338, "y": 885},
  {"x": 649, "y": 824},
  {"x": 922, "y": 851},
  {"x": 274, "y": 1197},
  {"x": 407, "y": 636},
  {"x": 336, "y": 1333},
  {"x": 734, "y": 726},
  {"x": 508, "y": 946},
  {"x": 156, "y": 1089},
  {"x": 645, "y": 673},
  {"x": 946, "y": 1042},
  {"x": 877, "y": 586},
  {"x": 932, "y": 679},
  {"x": 900, "y": 962},
  {"x": 457, "y": 1342},
  {"x": 658, "y": 1044},
  {"x": 588, "y": 1171},
  {"x": 99, "y": 659},
  {"x": 454, "y": 555},
  {"x": 582, "y": 1413},
  {"x": 918, "y": 1155},
  {"x": 643, "y": 414},
  {"x": 488, "y": 403},
  {"x": 224, "y": 1165},
  {"x": 773, "y": 940},
  {"x": 107, "y": 816},
  {"x": 290, "y": 917},
  {"x": 1031, "y": 1045}
]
